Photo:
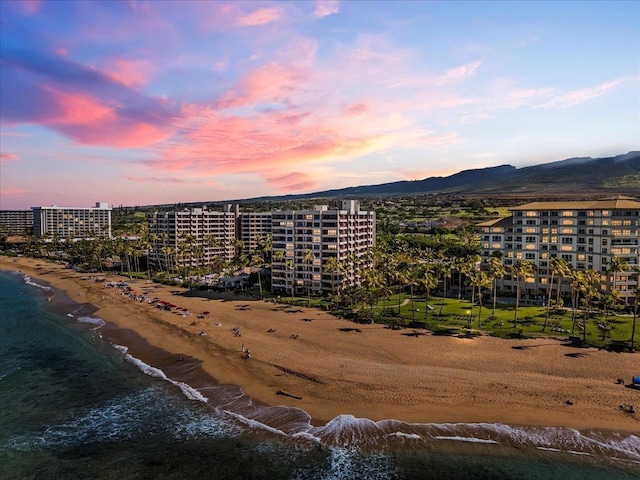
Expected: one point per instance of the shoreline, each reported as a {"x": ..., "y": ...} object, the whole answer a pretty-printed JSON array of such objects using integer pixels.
[{"x": 340, "y": 368}]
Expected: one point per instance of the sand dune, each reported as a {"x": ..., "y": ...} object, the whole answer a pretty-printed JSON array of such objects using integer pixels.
[{"x": 338, "y": 367}]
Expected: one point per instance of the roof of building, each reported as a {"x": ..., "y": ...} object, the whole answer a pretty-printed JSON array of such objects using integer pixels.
[
  {"x": 617, "y": 202},
  {"x": 497, "y": 222}
]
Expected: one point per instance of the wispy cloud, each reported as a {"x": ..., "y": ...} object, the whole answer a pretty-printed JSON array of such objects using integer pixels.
[
  {"x": 326, "y": 7},
  {"x": 11, "y": 191},
  {"x": 261, "y": 16},
  {"x": 577, "y": 97},
  {"x": 459, "y": 73},
  {"x": 8, "y": 157},
  {"x": 292, "y": 182}
]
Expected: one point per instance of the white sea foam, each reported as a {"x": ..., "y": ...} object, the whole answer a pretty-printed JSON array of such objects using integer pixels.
[
  {"x": 98, "y": 322},
  {"x": 411, "y": 436},
  {"x": 465, "y": 439},
  {"x": 29, "y": 281},
  {"x": 187, "y": 390},
  {"x": 121, "y": 348},
  {"x": 349, "y": 463},
  {"x": 254, "y": 423}
]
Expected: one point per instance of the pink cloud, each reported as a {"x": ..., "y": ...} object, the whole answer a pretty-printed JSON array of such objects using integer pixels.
[
  {"x": 292, "y": 182},
  {"x": 7, "y": 157},
  {"x": 356, "y": 109},
  {"x": 85, "y": 119},
  {"x": 131, "y": 73},
  {"x": 61, "y": 52},
  {"x": 164, "y": 180},
  {"x": 13, "y": 191},
  {"x": 326, "y": 7},
  {"x": 270, "y": 83},
  {"x": 27, "y": 7},
  {"x": 261, "y": 16}
]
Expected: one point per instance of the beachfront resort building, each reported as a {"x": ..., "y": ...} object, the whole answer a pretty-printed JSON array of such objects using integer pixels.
[
  {"x": 586, "y": 234},
  {"x": 193, "y": 237},
  {"x": 16, "y": 222},
  {"x": 304, "y": 242},
  {"x": 254, "y": 230},
  {"x": 72, "y": 222}
]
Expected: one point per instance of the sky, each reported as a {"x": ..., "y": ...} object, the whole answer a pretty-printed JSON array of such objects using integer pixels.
[{"x": 155, "y": 102}]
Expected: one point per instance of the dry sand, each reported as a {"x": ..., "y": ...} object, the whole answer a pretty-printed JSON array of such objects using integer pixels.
[{"x": 339, "y": 367}]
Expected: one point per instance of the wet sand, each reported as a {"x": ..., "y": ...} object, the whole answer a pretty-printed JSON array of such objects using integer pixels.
[{"x": 338, "y": 367}]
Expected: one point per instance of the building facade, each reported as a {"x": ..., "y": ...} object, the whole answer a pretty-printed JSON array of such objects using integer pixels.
[
  {"x": 73, "y": 223},
  {"x": 586, "y": 234},
  {"x": 304, "y": 242},
  {"x": 254, "y": 229},
  {"x": 16, "y": 222},
  {"x": 194, "y": 237}
]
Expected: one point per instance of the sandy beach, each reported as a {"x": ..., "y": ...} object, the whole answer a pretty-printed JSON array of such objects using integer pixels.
[{"x": 338, "y": 367}]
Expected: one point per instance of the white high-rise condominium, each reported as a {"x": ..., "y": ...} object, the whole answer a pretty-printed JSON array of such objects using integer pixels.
[
  {"x": 304, "y": 241},
  {"x": 194, "y": 237},
  {"x": 70, "y": 222}
]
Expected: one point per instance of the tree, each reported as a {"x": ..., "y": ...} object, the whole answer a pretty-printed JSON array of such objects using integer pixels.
[
  {"x": 590, "y": 292},
  {"x": 636, "y": 300},
  {"x": 560, "y": 268},
  {"x": 307, "y": 258},
  {"x": 520, "y": 269},
  {"x": 496, "y": 271},
  {"x": 333, "y": 267},
  {"x": 428, "y": 281},
  {"x": 480, "y": 280},
  {"x": 445, "y": 270},
  {"x": 616, "y": 265}
]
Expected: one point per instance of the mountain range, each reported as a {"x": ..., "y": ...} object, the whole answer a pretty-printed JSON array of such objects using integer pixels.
[{"x": 583, "y": 176}]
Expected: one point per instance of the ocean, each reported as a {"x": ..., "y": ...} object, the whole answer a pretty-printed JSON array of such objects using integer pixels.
[{"x": 77, "y": 401}]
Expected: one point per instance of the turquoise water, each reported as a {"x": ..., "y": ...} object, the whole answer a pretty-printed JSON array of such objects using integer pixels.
[{"x": 75, "y": 405}]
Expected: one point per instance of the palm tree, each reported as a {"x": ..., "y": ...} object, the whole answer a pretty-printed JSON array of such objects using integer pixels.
[
  {"x": 480, "y": 280},
  {"x": 616, "y": 265},
  {"x": 636, "y": 300},
  {"x": 590, "y": 292},
  {"x": 428, "y": 281},
  {"x": 578, "y": 281},
  {"x": 496, "y": 271},
  {"x": 445, "y": 269},
  {"x": 307, "y": 258},
  {"x": 333, "y": 267},
  {"x": 559, "y": 267},
  {"x": 520, "y": 269}
]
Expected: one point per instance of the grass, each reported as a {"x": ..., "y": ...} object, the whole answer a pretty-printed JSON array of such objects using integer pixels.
[{"x": 458, "y": 317}]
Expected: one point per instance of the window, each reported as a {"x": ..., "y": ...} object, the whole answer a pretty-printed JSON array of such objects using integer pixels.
[
  {"x": 567, "y": 240},
  {"x": 530, "y": 256},
  {"x": 530, "y": 239}
]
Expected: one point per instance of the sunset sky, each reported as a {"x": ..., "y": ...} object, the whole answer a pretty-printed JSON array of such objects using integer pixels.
[{"x": 143, "y": 102}]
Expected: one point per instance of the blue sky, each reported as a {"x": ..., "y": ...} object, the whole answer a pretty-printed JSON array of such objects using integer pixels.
[{"x": 139, "y": 103}]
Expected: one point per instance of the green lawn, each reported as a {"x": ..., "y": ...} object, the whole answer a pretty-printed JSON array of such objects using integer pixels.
[{"x": 457, "y": 317}]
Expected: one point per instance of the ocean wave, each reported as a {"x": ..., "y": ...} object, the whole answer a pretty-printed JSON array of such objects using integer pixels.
[
  {"x": 350, "y": 463},
  {"x": 187, "y": 390},
  {"x": 465, "y": 439},
  {"x": 98, "y": 322},
  {"x": 29, "y": 281},
  {"x": 124, "y": 418}
]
